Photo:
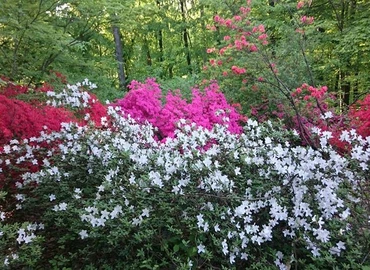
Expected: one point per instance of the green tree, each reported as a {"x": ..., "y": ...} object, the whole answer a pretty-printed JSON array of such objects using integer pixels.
[{"x": 342, "y": 54}]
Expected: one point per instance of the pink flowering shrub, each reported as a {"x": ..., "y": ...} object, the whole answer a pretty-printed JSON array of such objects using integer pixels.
[
  {"x": 267, "y": 87},
  {"x": 309, "y": 108},
  {"x": 238, "y": 62},
  {"x": 207, "y": 107},
  {"x": 143, "y": 101}
]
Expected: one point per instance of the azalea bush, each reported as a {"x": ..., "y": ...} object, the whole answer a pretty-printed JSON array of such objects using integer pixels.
[
  {"x": 360, "y": 115},
  {"x": 207, "y": 107},
  {"x": 26, "y": 111},
  {"x": 247, "y": 62},
  {"x": 274, "y": 84},
  {"x": 20, "y": 119},
  {"x": 313, "y": 107},
  {"x": 113, "y": 196}
]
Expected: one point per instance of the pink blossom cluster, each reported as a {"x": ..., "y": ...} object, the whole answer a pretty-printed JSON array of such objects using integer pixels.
[
  {"x": 231, "y": 22},
  {"x": 213, "y": 62},
  {"x": 241, "y": 38},
  {"x": 260, "y": 28},
  {"x": 239, "y": 44},
  {"x": 238, "y": 70},
  {"x": 300, "y": 4},
  {"x": 143, "y": 101},
  {"x": 307, "y": 20},
  {"x": 206, "y": 108},
  {"x": 313, "y": 91}
]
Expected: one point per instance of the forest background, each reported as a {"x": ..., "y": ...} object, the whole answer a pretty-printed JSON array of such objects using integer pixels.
[{"x": 113, "y": 42}]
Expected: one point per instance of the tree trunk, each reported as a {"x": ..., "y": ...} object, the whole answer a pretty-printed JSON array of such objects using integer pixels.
[
  {"x": 147, "y": 50},
  {"x": 160, "y": 44},
  {"x": 355, "y": 89},
  {"x": 160, "y": 38},
  {"x": 346, "y": 88},
  {"x": 203, "y": 24},
  {"x": 185, "y": 35},
  {"x": 187, "y": 51},
  {"x": 119, "y": 57}
]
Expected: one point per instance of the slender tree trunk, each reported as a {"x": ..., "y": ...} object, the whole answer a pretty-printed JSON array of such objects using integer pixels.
[
  {"x": 185, "y": 35},
  {"x": 204, "y": 58},
  {"x": 343, "y": 85},
  {"x": 160, "y": 45},
  {"x": 352, "y": 13},
  {"x": 336, "y": 83},
  {"x": 119, "y": 56},
  {"x": 170, "y": 71},
  {"x": 186, "y": 44},
  {"x": 147, "y": 50},
  {"x": 160, "y": 38},
  {"x": 355, "y": 89},
  {"x": 346, "y": 88}
]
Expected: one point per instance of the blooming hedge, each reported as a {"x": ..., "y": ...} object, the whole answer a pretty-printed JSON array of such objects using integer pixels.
[{"x": 116, "y": 197}]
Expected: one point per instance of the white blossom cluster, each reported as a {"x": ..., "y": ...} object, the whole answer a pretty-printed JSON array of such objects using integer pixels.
[
  {"x": 296, "y": 187},
  {"x": 73, "y": 95},
  {"x": 25, "y": 235}
]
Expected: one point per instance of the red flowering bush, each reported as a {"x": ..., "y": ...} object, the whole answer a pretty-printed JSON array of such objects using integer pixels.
[
  {"x": 315, "y": 108},
  {"x": 310, "y": 107},
  {"x": 21, "y": 120},
  {"x": 12, "y": 90},
  {"x": 206, "y": 108},
  {"x": 25, "y": 120},
  {"x": 95, "y": 111},
  {"x": 359, "y": 114},
  {"x": 315, "y": 111}
]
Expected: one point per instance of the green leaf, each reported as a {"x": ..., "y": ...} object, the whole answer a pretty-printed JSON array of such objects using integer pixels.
[{"x": 176, "y": 248}]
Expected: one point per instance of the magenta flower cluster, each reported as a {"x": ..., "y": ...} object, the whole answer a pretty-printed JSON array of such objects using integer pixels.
[{"x": 207, "y": 107}]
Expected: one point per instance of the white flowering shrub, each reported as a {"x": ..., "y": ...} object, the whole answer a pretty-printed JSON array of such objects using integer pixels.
[
  {"x": 115, "y": 198},
  {"x": 72, "y": 95}
]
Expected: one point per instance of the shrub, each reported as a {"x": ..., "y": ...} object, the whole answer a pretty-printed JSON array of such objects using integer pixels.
[
  {"x": 206, "y": 108},
  {"x": 25, "y": 112},
  {"x": 258, "y": 200},
  {"x": 20, "y": 120},
  {"x": 359, "y": 114}
]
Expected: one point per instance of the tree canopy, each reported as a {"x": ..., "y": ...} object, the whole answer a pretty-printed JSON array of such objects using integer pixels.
[{"x": 169, "y": 40}]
